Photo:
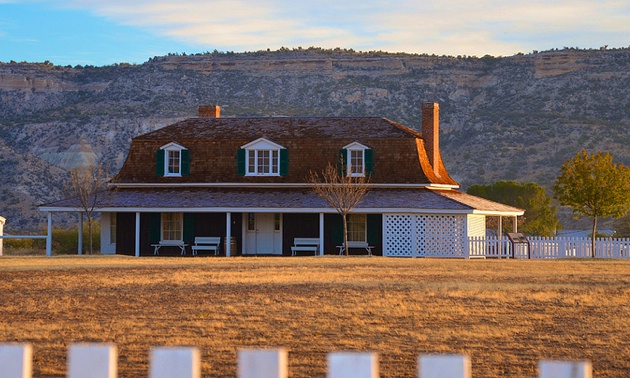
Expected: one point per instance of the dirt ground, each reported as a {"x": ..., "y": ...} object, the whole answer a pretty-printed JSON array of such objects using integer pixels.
[{"x": 505, "y": 314}]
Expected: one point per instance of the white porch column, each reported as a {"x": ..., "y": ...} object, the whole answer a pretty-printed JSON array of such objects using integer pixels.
[
  {"x": 515, "y": 224},
  {"x": 228, "y": 234},
  {"x": 2, "y": 220},
  {"x": 49, "y": 235},
  {"x": 321, "y": 234},
  {"x": 137, "y": 234},
  {"x": 80, "y": 234},
  {"x": 500, "y": 236}
]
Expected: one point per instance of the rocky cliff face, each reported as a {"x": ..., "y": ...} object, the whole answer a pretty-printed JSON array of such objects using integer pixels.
[{"x": 514, "y": 118}]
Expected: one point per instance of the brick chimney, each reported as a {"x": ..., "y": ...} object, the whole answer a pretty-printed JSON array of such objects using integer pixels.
[
  {"x": 210, "y": 111},
  {"x": 431, "y": 132}
]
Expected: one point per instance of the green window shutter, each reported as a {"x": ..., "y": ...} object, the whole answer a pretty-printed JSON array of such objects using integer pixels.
[
  {"x": 374, "y": 229},
  {"x": 369, "y": 162},
  {"x": 336, "y": 231},
  {"x": 159, "y": 163},
  {"x": 185, "y": 156},
  {"x": 189, "y": 227},
  {"x": 342, "y": 160},
  {"x": 284, "y": 162},
  {"x": 240, "y": 162},
  {"x": 155, "y": 227}
]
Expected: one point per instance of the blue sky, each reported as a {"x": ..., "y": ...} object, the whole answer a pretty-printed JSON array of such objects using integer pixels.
[{"x": 102, "y": 32}]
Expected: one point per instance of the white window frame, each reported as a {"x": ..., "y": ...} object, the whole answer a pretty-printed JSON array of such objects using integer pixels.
[
  {"x": 356, "y": 148},
  {"x": 170, "y": 149},
  {"x": 262, "y": 153},
  {"x": 164, "y": 231}
]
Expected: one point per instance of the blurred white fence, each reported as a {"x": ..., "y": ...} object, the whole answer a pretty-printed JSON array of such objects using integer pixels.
[
  {"x": 100, "y": 361},
  {"x": 548, "y": 248}
]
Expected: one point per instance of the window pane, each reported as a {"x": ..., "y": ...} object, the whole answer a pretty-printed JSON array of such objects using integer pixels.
[
  {"x": 356, "y": 162},
  {"x": 173, "y": 162},
  {"x": 251, "y": 162},
  {"x": 263, "y": 161},
  {"x": 356, "y": 227},
  {"x": 171, "y": 226},
  {"x": 251, "y": 222},
  {"x": 274, "y": 162}
]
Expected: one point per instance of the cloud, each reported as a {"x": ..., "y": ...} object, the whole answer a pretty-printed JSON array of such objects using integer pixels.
[{"x": 443, "y": 27}]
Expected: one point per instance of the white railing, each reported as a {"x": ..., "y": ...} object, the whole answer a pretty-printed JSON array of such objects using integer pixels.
[
  {"x": 101, "y": 361},
  {"x": 548, "y": 248}
]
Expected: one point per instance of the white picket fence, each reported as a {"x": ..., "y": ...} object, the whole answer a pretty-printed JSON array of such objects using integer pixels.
[
  {"x": 94, "y": 360},
  {"x": 548, "y": 248}
]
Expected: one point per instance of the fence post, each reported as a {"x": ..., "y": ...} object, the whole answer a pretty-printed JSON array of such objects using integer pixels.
[
  {"x": 565, "y": 369},
  {"x": 444, "y": 366},
  {"x": 175, "y": 362},
  {"x": 352, "y": 365},
  {"x": 261, "y": 363},
  {"x": 92, "y": 361},
  {"x": 16, "y": 360}
]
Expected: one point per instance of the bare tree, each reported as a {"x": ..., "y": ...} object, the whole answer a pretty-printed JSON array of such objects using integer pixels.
[
  {"x": 341, "y": 191},
  {"x": 89, "y": 185}
]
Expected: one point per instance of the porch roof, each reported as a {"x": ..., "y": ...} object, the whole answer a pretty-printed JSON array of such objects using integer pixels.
[{"x": 420, "y": 200}]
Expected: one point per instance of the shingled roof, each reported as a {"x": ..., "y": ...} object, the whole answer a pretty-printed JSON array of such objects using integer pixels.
[{"x": 415, "y": 200}]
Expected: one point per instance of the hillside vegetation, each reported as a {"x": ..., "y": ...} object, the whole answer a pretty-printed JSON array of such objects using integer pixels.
[{"x": 511, "y": 118}]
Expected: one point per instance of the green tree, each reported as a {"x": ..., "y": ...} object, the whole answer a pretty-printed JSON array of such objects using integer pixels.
[
  {"x": 540, "y": 216},
  {"x": 595, "y": 187}
]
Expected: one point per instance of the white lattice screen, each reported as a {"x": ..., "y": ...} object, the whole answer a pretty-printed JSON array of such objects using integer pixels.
[{"x": 424, "y": 235}]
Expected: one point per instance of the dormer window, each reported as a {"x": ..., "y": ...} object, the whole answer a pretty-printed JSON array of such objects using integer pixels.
[
  {"x": 357, "y": 160},
  {"x": 262, "y": 158},
  {"x": 173, "y": 160}
]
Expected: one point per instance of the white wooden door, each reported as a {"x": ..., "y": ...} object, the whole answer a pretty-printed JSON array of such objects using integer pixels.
[{"x": 263, "y": 237}]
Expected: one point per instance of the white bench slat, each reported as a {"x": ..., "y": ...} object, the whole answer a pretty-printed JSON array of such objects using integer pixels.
[
  {"x": 305, "y": 244},
  {"x": 16, "y": 360},
  {"x": 206, "y": 243},
  {"x": 263, "y": 363},
  {"x": 175, "y": 362},
  {"x": 92, "y": 360}
]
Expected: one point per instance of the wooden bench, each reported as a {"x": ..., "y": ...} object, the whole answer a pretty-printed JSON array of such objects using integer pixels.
[
  {"x": 206, "y": 243},
  {"x": 355, "y": 244},
  {"x": 169, "y": 243},
  {"x": 305, "y": 244}
]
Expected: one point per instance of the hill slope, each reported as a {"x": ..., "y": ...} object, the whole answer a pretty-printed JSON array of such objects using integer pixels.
[{"x": 512, "y": 118}]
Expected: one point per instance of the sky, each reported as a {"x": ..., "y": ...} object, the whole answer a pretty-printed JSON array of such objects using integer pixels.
[{"x": 104, "y": 32}]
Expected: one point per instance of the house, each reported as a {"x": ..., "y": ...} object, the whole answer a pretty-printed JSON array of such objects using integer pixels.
[
  {"x": 245, "y": 180},
  {"x": 2, "y": 221}
]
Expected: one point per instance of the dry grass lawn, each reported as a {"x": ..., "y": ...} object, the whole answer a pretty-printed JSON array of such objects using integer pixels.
[{"x": 505, "y": 314}]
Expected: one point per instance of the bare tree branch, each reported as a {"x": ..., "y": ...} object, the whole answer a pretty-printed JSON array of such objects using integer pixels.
[{"x": 342, "y": 192}]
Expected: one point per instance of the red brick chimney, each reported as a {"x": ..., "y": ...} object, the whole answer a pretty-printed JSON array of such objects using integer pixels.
[
  {"x": 210, "y": 111},
  {"x": 431, "y": 132}
]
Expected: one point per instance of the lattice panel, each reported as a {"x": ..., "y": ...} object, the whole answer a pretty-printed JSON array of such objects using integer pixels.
[
  {"x": 444, "y": 235},
  {"x": 398, "y": 235},
  {"x": 420, "y": 223},
  {"x": 476, "y": 225}
]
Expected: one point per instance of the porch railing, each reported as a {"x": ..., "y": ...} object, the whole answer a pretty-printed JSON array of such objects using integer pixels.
[{"x": 548, "y": 248}]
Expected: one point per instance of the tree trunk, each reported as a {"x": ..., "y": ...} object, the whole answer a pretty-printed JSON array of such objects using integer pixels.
[
  {"x": 345, "y": 232},
  {"x": 593, "y": 235}
]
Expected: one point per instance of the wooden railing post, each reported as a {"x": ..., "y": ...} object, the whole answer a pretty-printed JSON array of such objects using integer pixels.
[
  {"x": 175, "y": 362},
  {"x": 352, "y": 365},
  {"x": 16, "y": 361},
  {"x": 92, "y": 361},
  {"x": 565, "y": 369},
  {"x": 444, "y": 366},
  {"x": 262, "y": 363}
]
